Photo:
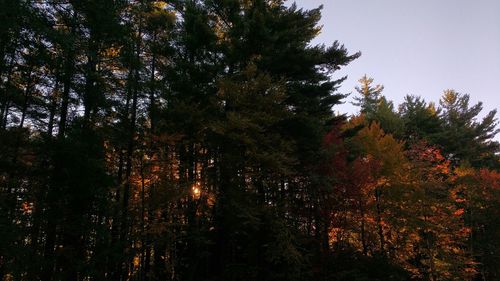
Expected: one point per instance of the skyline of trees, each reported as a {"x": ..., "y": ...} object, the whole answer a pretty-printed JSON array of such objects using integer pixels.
[{"x": 197, "y": 140}]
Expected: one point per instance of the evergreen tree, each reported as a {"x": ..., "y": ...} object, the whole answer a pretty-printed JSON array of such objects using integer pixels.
[
  {"x": 376, "y": 107},
  {"x": 421, "y": 120},
  {"x": 369, "y": 97},
  {"x": 196, "y": 140},
  {"x": 463, "y": 137}
]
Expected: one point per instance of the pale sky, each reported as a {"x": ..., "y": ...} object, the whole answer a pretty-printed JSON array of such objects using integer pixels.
[{"x": 418, "y": 47}]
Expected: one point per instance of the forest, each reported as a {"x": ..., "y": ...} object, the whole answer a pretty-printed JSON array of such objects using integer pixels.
[{"x": 200, "y": 140}]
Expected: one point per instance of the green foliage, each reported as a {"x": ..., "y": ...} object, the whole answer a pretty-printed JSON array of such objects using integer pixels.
[
  {"x": 196, "y": 140},
  {"x": 421, "y": 120},
  {"x": 376, "y": 107},
  {"x": 351, "y": 265},
  {"x": 463, "y": 137},
  {"x": 369, "y": 98}
]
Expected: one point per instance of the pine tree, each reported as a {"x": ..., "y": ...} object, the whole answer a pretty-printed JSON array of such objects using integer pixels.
[
  {"x": 421, "y": 120},
  {"x": 370, "y": 97},
  {"x": 463, "y": 137},
  {"x": 376, "y": 107}
]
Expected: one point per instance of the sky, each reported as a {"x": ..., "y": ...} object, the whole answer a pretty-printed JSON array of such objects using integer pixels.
[{"x": 417, "y": 47}]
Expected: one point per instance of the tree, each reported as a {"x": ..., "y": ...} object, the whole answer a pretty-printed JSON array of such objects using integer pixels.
[
  {"x": 196, "y": 140},
  {"x": 432, "y": 220},
  {"x": 376, "y": 107},
  {"x": 369, "y": 98},
  {"x": 463, "y": 137},
  {"x": 421, "y": 120},
  {"x": 475, "y": 191}
]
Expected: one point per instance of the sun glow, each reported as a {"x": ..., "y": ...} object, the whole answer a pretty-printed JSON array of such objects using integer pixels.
[{"x": 196, "y": 190}]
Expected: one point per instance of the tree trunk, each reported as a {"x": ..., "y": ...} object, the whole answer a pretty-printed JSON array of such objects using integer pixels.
[
  {"x": 53, "y": 106},
  {"x": 68, "y": 74},
  {"x": 89, "y": 98},
  {"x": 379, "y": 220},
  {"x": 27, "y": 94},
  {"x": 6, "y": 102},
  {"x": 363, "y": 232}
]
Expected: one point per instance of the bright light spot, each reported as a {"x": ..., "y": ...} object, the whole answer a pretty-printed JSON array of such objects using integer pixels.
[
  {"x": 196, "y": 191},
  {"x": 27, "y": 208},
  {"x": 136, "y": 261}
]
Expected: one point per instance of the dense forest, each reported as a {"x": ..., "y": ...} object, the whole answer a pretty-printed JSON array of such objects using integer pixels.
[{"x": 198, "y": 140}]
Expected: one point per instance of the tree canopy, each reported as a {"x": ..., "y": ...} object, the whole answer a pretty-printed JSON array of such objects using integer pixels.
[{"x": 197, "y": 140}]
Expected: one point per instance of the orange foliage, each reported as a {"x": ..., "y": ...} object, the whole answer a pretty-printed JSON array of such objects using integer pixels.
[{"x": 459, "y": 212}]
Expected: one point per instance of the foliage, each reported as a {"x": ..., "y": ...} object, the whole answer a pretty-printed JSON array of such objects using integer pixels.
[{"x": 196, "y": 140}]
